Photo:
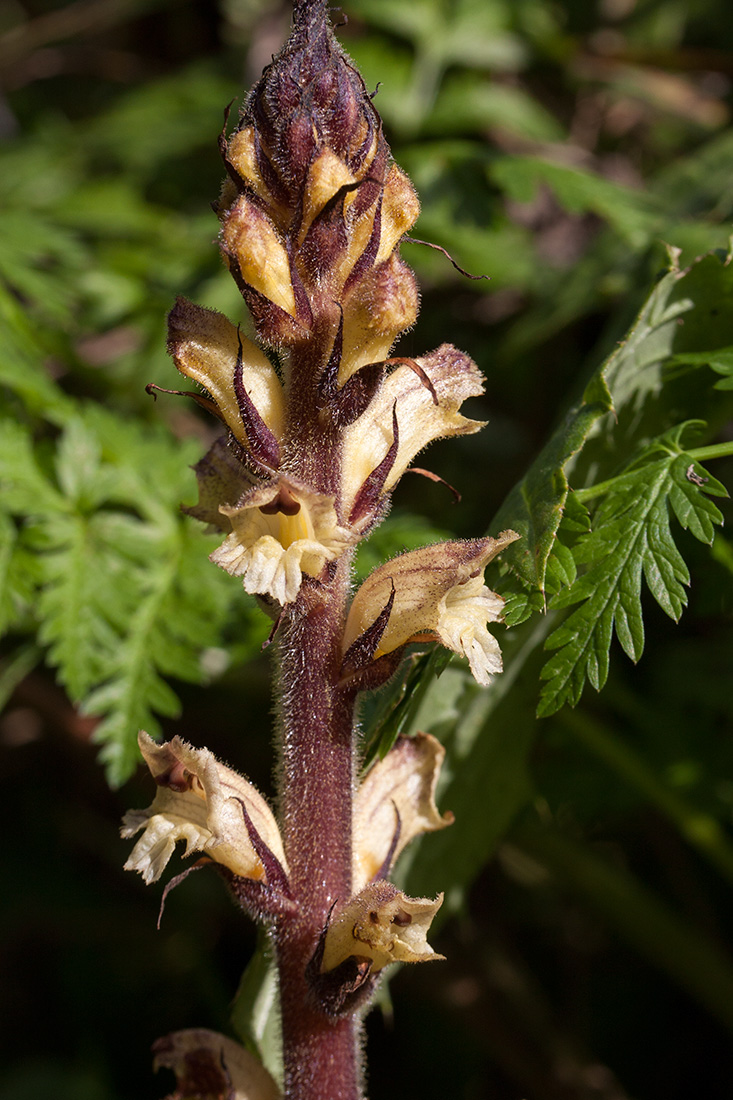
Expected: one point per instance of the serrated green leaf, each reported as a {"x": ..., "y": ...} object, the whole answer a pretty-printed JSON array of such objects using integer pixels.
[
  {"x": 520, "y": 605},
  {"x": 687, "y": 497},
  {"x": 72, "y": 603},
  {"x": 575, "y": 516},
  {"x": 24, "y": 353},
  {"x": 19, "y": 577},
  {"x": 561, "y": 567},
  {"x": 25, "y": 490},
  {"x": 77, "y": 465},
  {"x": 121, "y": 599},
  {"x": 632, "y": 537}
]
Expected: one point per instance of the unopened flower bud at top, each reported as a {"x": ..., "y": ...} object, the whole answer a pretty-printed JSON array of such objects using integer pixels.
[{"x": 312, "y": 209}]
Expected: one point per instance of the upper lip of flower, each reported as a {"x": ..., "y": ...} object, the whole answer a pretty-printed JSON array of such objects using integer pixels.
[
  {"x": 412, "y": 408},
  {"x": 395, "y": 804},
  {"x": 241, "y": 380}
]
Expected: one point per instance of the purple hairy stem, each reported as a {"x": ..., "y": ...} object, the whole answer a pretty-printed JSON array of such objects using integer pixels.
[{"x": 322, "y": 1055}]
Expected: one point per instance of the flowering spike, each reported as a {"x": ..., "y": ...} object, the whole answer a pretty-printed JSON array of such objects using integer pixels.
[{"x": 312, "y": 213}]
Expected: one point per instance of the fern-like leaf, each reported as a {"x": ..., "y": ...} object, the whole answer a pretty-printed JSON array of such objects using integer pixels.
[{"x": 631, "y": 539}]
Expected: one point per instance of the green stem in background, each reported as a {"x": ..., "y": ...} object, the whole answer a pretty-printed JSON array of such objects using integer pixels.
[
  {"x": 696, "y": 454},
  {"x": 659, "y": 934},
  {"x": 700, "y": 829},
  {"x": 715, "y": 450}
]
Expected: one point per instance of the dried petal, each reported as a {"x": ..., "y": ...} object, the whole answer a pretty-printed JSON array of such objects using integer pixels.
[
  {"x": 438, "y": 589},
  {"x": 382, "y": 924},
  {"x": 198, "y": 801},
  {"x": 396, "y": 803},
  {"x": 209, "y": 1066}
]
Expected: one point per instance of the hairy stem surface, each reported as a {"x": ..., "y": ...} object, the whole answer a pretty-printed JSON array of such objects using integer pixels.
[{"x": 321, "y": 1055}]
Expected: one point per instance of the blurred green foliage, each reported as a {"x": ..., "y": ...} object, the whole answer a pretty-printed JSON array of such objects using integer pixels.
[{"x": 559, "y": 148}]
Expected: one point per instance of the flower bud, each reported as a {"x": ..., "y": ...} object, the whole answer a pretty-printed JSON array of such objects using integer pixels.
[{"x": 312, "y": 210}]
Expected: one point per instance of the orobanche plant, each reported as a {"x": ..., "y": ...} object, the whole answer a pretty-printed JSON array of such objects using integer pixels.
[
  {"x": 312, "y": 212},
  {"x": 320, "y": 423}
]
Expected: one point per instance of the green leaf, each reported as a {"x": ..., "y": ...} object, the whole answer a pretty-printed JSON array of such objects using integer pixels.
[
  {"x": 631, "y": 538},
  {"x": 256, "y": 1012},
  {"x": 629, "y": 212},
  {"x": 22, "y": 362},
  {"x": 101, "y": 565},
  {"x": 521, "y": 605},
  {"x": 720, "y": 360},
  {"x": 534, "y": 508}
]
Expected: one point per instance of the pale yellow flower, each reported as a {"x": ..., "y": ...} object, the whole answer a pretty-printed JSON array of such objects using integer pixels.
[
  {"x": 439, "y": 591},
  {"x": 396, "y": 803},
  {"x": 383, "y": 925},
  {"x": 422, "y": 415},
  {"x": 279, "y": 532},
  {"x": 198, "y": 801}
]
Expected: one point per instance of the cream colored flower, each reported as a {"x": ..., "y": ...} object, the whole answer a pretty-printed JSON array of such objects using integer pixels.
[
  {"x": 438, "y": 590},
  {"x": 381, "y": 924},
  {"x": 421, "y": 418},
  {"x": 199, "y": 801},
  {"x": 279, "y": 532},
  {"x": 209, "y": 1066},
  {"x": 396, "y": 803}
]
